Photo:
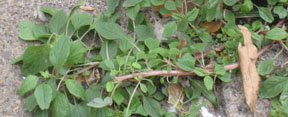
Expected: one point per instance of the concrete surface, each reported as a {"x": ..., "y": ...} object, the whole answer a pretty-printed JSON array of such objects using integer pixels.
[{"x": 11, "y": 11}]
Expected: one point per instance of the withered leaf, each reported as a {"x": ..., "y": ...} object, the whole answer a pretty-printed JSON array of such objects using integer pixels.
[
  {"x": 212, "y": 26},
  {"x": 250, "y": 77},
  {"x": 175, "y": 94},
  {"x": 87, "y": 8}
]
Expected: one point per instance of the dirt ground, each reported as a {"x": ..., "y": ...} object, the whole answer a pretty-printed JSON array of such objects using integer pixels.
[
  {"x": 11, "y": 11},
  {"x": 11, "y": 104}
]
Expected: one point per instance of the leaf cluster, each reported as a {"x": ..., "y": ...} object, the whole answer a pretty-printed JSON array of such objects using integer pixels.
[{"x": 54, "y": 68}]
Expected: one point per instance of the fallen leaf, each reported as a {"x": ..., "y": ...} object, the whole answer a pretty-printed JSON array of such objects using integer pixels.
[
  {"x": 183, "y": 43},
  {"x": 175, "y": 95},
  {"x": 212, "y": 26},
  {"x": 88, "y": 78},
  {"x": 157, "y": 8},
  {"x": 87, "y": 8},
  {"x": 250, "y": 77}
]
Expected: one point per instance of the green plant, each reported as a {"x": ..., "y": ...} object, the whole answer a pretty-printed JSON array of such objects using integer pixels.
[{"x": 134, "y": 69}]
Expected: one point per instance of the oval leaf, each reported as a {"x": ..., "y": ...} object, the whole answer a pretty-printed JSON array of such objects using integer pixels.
[
  {"x": 26, "y": 28},
  {"x": 273, "y": 86},
  {"x": 75, "y": 88},
  {"x": 265, "y": 67},
  {"x": 276, "y": 34},
  {"x": 110, "y": 30},
  {"x": 99, "y": 102},
  {"x": 28, "y": 84},
  {"x": 265, "y": 14},
  {"x": 43, "y": 96},
  {"x": 60, "y": 52}
]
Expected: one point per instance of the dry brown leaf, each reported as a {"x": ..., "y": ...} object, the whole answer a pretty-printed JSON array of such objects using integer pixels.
[
  {"x": 183, "y": 43},
  {"x": 212, "y": 26},
  {"x": 250, "y": 77},
  {"x": 157, "y": 8},
  {"x": 175, "y": 94},
  {"x": 87, "y": 8},
  {"x": 88, "y": 78}
]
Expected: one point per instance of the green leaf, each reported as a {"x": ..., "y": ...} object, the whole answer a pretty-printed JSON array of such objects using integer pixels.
[
  {"x": 79, "y": 111},
  {"x": 26, "y": 28},
  {"x": 43, "y": 96},
  {"x": 41, "y": 31},
  {"x": 186, "y": 62},
  {"x": 126, "y": 44},
  {"x": 136, "y": 65},
  {"x": 284, "y": 96},
  {"x": 280, "y": 11},
  {"x": 109, "y": 86},
  {"x": 225, "y": 78},
  {"x": 35, "y": 59},
  {"x": 118, "y": 96},
  {"x": 60, "y": 106},
  {"x": 157, "y": 2},
  {"x": 111, "y": 6},
  {"x": 28, "y": 84},
  {"x": 212, "y": 9},
  {"x": 76, "y": 7},
  {"x": 53, "y": 85},
  {"x": 192, "y": 15},
  {"x": 143, "y": 87},
  {"x": 247, "y": 6},
  {"x": 265, "y": 67},
  {"x": 256, "y": 25},
  {"x": 130, "y": 3},
  {"x": 92, "y": 93},
  {"x": 208, "y": 82},
  {"x": 205, "y": 37},
  {"x": 219, "y": 69},
  {"x": 30, "y": 103},
  {"x": 273, "y": 86},
  {"x": 151, "y": 106},
  {"x": 265, "y": 14},
  {"x": 49, "y": 10},
  {"x": 140, "y": 110},
  {"x": 132, "y": 12},
  {"x": 100, "y": 103},
  {"x": 109, "y": 63},
  {"x": 230, "y": 2},
  {"x": 58, "y": 22},
  {"x": 16, "y": 60},
  {"x": 169, "y": 29},
  {"x": 182, "y": 25},
  {"x": 81, "y": 19},
  {"x": 229, "y": 16},
  {"x": 152, "y": 43},
  {"x": 108, "y": 49},
  {"x": 60, "y": 52},
  {"x": 170, "y": 5},
  {"x": 200, "y": 72},
  {"x": 272, "y": 2},
  {"x": 208, "y": 94},
  {"x": 144, "y": 32},
  {"x": 110, "y": 31},
  {"x": 75, "y": 88},
  {"x": 282, "y": 1},
  {"x": 76, "y": 54},
  {"x": 45, "y": 74},
  {"x": 276, "y": 34},
  {"x": 199, "y": 46},
  {"x": 41, "y": 113}
]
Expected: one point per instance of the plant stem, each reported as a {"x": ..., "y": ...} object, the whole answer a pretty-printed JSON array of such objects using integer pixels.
[
  {"x": 180, "y": 72},
  {"x": 131, "y": 97}
]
